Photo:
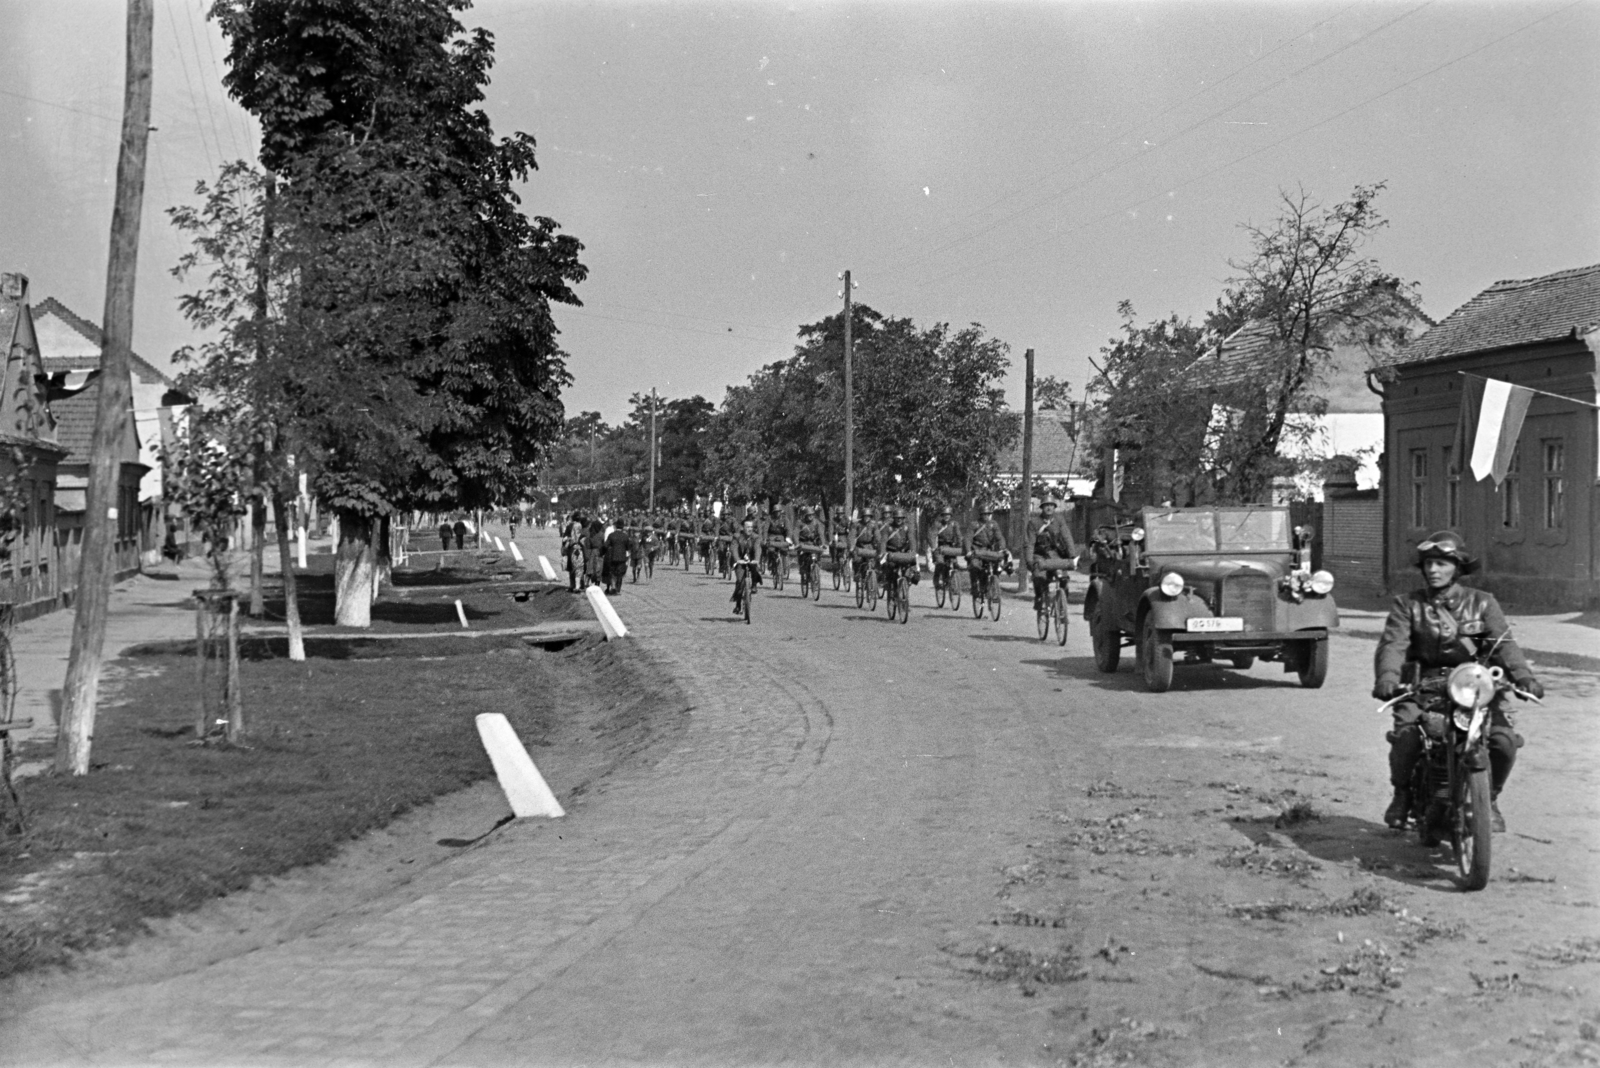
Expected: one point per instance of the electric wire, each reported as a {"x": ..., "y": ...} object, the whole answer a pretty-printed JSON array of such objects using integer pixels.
[
  {"x": 1116, "y": 212},
  {"x": 1169, "y": 141},
  {"x": 211, "y": 163}
]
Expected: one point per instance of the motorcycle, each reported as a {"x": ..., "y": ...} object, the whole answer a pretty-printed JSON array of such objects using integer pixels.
[{"x": 1450, "y": 794}]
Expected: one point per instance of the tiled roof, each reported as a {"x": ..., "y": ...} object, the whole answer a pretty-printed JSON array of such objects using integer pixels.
[
  {"x": 52, "y": 306},
  {"x": 1053, "y": 452},
  {"x": 75, "y": 423},
  {"x": 1250, "y": 352},
  {"x": 1515, "y": 312},
  {"x": 75, "y": 426}
]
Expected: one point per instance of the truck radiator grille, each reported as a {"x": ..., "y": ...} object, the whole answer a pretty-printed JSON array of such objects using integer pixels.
[{"x": 1250, "y": 596}]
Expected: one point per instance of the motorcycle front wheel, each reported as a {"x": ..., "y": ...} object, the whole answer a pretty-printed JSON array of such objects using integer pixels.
[{"x": 1471, "y": 832}]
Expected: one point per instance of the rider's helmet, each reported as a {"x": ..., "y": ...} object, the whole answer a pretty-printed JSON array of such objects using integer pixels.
[
  {"x": 1048, "y": 502},
  {"x": 899, "y": 515},
  {"x": 944, "y": 512},
  {"x": 1447, "y": 545}
]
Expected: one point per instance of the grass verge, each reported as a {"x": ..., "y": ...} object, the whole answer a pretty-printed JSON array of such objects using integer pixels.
[{"x": 337, "y": 745}]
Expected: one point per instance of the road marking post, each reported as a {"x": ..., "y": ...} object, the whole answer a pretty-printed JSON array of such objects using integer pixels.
[
  {"x": 499, "y": 545},
  {"x": 516, "y": 553},
  {"x": 610, "y": 622},
  {"x": 544, "y": 565},
  {"x": 461, "y": 614},
  {"x": 524, "y": 787}
]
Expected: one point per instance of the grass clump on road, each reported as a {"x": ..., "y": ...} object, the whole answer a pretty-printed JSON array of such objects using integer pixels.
[{"x": 335, "y": 747}]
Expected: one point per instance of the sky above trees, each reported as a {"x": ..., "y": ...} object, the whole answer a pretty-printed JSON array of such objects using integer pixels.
[{"x": 1025, "y": 166}]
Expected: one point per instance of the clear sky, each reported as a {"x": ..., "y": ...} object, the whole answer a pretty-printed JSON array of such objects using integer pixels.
[{"x": 1021, "y": 165}]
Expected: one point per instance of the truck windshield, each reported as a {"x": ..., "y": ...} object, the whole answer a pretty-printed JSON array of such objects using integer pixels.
[
  {"x": 1180, "y": 532},
  {"x": 1250, "y": 530}
]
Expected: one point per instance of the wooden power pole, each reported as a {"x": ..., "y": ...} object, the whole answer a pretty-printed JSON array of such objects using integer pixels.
[
  {"x": 101, "y": 520},
  {"x": 1027, "y": 461},
  {"x": 849, "y": 414},
  {"x": 652, "y": 448}
]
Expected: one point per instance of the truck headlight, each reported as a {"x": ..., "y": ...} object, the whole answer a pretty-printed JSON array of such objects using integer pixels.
[
  {"x": 1321, "y": 583},
  {"x": 1172, "y": 584}
]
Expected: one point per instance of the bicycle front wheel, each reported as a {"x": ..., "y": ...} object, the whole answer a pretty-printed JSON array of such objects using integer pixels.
[
  {"x": 1041, "y": 617},
  {"x": 954, "y": 582},
  {"x": 977, "y": 592},
  {"x": 903, "y": 599},
  {"x": 816, "y": 583},
  {"x": 1059, "y": 611},
  {"x": 870, "y": 581},
  {"x": 991, "y": 588}
]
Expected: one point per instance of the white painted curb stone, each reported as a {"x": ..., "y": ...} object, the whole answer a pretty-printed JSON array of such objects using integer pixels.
[
  {"x": 524, "y": 787},
  {"x": 515, "y": 552},
  {"x": 544, "y": 565},
  {"x": 610, "y": 622},
  {"x": 461, "y": 613},
  {"x": 499, "y": 545}
]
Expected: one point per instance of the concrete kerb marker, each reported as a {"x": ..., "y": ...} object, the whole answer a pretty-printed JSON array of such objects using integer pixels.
[
  {"x": 516, "y": 553},
  {"x": 544, "y": 565},
  {"x": 524, "y": 787},
  {"x": 461, "y": 614},
  {"x": 610, "y": 622},
  {"x": 499, "y": 545}
]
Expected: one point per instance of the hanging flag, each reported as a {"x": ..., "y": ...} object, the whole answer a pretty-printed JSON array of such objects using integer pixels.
[{"x": 1491, "y": 418}]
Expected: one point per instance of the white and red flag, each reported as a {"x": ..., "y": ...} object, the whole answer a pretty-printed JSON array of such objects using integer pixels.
[{"x": 1492, "y": 412}]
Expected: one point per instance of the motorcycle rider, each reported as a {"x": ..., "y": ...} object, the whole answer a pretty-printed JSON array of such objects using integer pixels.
[{"x": 1437, "y": 628}]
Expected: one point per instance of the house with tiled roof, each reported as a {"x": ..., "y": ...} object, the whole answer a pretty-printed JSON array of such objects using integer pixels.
[
  {"x": 32, "y": 578},
  {"x": 71, "y": 345},
  {"x": 1058, "y": 462},
  {"x": 1350, "y": 422},
  {"x": 1536, "y": 531}
]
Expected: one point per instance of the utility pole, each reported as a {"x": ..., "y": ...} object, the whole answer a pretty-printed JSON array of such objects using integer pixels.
[
  {"x": 1027, "y": 460},
  {"x": 75, "y": 732},
  {"x": 652, "y": 448},
  {"x": 849, "y": 412}
]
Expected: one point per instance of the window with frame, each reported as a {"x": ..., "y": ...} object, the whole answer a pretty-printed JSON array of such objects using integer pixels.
[
  {"x": 1419, "y": 487},
  {"x": 1511, "y": 492},
  {"x": 1452, "y": 489},
  {"x": 1555, "y": 483}
]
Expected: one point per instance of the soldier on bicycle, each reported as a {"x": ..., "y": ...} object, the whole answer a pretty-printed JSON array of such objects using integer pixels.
[
  {"x": 864, "y": 543},
  {"x": 746, "y": 549},
  {"x": 944, "y": 534},
  {"x": 897, "y": 538},
  {"x": 1048, "y": 539}
]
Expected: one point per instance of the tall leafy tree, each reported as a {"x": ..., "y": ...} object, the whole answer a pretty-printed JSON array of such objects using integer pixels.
[{"x": 422, "y": 358}]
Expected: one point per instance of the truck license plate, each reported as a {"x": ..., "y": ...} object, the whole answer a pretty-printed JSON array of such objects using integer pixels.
[{"x": 1215, "y": 624}]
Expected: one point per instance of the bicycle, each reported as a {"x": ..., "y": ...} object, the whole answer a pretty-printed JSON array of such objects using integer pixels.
[
  {"x": 744, "y": 591},
  {"x": 986, "y": 584},
  {"x": 841, "y": 573},
  {"x": 1052, "y": 611},
  {"x": 864, "y": 565},
  {"x": 778, "y": 564},
  {"x": 705, "y": 552},
  {"x": 810, "y": 573},
  {"x": 724, "y": 558},
  {"x": 899, "y": 586},
  {"x": 945, "y": 585}
]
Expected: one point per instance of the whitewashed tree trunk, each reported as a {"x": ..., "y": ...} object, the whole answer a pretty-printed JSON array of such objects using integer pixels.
[{"x": 355, "y": 567}]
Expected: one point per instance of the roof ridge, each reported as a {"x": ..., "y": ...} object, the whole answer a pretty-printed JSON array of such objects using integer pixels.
[
  {"x": 92, "y": 332},
  {"x": 1519, "y": 283}
]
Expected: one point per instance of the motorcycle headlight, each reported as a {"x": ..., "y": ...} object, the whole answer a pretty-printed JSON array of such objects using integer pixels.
[
  {"x": 1471, "y": 685},
  {"x": 1172, "y": 584},
  {"x": 1137, "y": 534},
  {"x": 1321, "y": 583}
]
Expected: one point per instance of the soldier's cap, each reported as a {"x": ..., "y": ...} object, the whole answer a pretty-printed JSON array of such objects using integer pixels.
[{"x": 1447, "y": 545}]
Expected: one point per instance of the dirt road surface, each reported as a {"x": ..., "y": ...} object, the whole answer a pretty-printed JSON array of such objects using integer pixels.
[{"x": 938, "y": 843}]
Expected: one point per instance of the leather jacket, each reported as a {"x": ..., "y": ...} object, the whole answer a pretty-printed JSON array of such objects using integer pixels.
[
  {"x": 987, "y": 536},
  {"x": 1444, "y": 629}
]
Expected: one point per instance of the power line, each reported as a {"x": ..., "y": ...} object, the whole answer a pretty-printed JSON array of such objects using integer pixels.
[
  {"x": 1011, "y": 252},
  {"x": 1168, "y": 142},
  {"x": 1138, "y": 123},
  {"x": 227, "y": 112},
  {"x": 193, "y": 104}
]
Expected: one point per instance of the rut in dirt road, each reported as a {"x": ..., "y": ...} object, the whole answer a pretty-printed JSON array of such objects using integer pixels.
[{"x": 933, "y": 843}]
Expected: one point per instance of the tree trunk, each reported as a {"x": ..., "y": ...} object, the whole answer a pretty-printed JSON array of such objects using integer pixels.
[
  {"x": 354, "y": 567},
  {"x": 75, "y": 732},
  {"x": 383, "y": 572},
  {"x": 258, "y": 548},
  {"x": 291, "y": 601}
]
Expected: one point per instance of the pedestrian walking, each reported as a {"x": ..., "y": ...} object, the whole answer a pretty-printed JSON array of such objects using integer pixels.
[{"x": 446, "y": 531}]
